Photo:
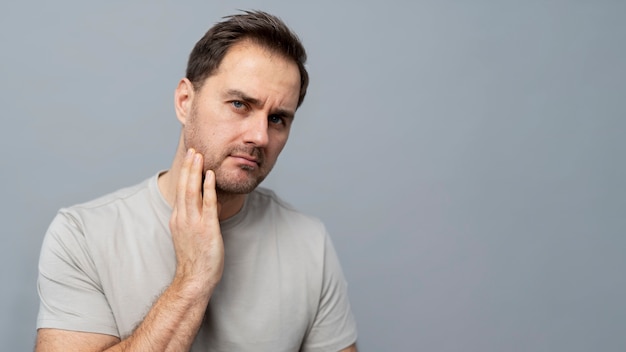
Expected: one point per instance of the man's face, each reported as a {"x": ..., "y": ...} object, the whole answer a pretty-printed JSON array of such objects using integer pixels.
[{"x": 240, "y": 118}]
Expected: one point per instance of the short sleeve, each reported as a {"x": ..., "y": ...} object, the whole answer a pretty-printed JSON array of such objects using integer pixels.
[
  {"x": 70, "y": 293},
  {"x": 334, "y": 327}
]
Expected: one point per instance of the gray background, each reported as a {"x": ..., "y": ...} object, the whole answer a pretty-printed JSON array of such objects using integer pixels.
[{"x": 467, "y": 156}]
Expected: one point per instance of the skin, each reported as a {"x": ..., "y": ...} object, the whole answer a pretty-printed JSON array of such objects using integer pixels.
[{"x": 233, "y": 130}]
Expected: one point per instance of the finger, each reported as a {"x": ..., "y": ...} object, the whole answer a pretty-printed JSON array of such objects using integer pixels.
[
  {"x": 181, "y": 187},
  {"x": 210, "y": 206},
  {"x": 193, "y": 198}
]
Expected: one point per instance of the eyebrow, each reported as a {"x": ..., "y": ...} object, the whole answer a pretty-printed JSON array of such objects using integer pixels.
[{"x": 256, "y": 102}]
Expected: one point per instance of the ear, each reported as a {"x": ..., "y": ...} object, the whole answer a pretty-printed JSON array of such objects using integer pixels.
[{"x": 183, "y": 100}]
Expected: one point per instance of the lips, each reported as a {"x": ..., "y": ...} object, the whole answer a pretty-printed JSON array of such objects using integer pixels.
[
  {"x": 246, "y": 159},
  {"x": 247, "y": 156}
]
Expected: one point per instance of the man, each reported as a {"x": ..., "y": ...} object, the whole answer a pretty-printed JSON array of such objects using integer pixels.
[{"x": 198, "y": 258}]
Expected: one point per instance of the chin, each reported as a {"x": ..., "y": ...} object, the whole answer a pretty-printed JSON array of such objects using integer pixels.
[
  {"x": 241, "y": 181},
  {"x": 231, "y": 187},
  {"x": 239, "y": 189}
]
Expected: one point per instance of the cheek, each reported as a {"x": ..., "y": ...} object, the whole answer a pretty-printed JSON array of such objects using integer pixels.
[
  {"x": 199, "y": 137},
  {"x": 278, "y": 144}
]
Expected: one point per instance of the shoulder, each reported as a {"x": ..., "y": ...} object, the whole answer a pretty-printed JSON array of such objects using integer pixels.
[
  {"x": 102, "y": 217},
  {"x": 112, "y": 199},
  {"x": 124, "y": 202},
  {"x": 128, "y": 219}
]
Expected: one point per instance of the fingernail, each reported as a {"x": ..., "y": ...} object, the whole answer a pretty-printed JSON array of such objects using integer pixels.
[{"x": 189, "y": 152}]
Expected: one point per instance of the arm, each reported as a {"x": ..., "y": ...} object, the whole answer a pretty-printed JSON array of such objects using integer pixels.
[{"x": 173, "y": 321}]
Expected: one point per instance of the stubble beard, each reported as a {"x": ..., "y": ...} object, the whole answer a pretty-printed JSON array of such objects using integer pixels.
[{"x": 225, "y": 184}]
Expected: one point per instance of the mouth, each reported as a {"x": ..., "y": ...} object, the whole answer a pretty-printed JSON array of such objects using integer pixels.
[{"x": 246, "y": 160}]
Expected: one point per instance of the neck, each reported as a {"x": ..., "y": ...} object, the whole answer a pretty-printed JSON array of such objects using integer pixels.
[{"x": 228, "y": 203}]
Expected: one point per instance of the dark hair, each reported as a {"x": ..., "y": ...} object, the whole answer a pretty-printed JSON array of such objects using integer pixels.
[{"x": 263, "y": 29}]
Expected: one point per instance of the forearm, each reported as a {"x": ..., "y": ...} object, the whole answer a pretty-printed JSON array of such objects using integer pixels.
[{"x": 171, "y": 324}]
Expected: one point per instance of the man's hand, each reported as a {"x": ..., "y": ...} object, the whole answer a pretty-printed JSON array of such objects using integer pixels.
[{"x": 196, "y": 230}]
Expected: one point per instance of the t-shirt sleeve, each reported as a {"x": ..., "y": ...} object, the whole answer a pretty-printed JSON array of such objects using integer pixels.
[
  {"x": 334, "y": 327},
  {"x": 71, "y": 297}
]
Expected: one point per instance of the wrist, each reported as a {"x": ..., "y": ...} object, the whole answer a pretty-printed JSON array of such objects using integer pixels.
[{"x": 192, "y": 289}]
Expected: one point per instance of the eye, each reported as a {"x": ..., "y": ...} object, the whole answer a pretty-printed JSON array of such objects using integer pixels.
[
  {"x": 275, "y": 119},
  {"x": 237, "y": 104}
]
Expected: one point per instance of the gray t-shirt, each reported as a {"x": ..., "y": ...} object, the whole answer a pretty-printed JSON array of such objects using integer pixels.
[{"x": 105, "y": 262}]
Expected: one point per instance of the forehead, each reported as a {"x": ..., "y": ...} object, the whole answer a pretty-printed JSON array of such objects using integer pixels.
[{"x": 258, "y": 72}]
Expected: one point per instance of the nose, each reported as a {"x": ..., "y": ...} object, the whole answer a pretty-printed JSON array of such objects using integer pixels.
[{"x": 256, "y": 130}]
